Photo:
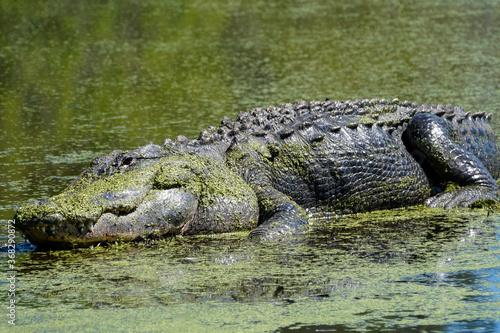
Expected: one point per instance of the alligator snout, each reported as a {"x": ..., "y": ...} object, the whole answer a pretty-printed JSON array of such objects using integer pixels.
[{"x": 156, "y": 212}]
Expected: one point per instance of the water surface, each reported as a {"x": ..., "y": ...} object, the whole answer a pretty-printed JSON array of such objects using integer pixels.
[{"x": 82, "y": 78}]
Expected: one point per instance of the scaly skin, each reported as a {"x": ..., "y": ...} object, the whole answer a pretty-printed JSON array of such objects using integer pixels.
[{"x": 267, "y": 170}]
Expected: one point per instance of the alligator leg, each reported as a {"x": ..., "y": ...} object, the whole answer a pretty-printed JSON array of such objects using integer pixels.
[
  {"x": 434, "y": 137},
  {"x": 279, "y": 215}
]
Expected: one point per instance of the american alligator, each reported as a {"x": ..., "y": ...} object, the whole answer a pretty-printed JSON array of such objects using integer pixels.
[{"x": 268, "y": 170}]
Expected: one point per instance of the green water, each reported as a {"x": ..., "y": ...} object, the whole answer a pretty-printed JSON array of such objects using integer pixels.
[
  {"x": 82, "y": 78},
  {"x": 432, "y": 271}
]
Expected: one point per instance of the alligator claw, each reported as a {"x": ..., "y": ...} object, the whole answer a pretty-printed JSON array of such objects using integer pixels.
[{"x": 463, "y": 197}]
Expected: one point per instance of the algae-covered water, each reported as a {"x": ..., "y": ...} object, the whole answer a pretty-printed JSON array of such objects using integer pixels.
[
  {"x": 408, "y": 270},
  {"x": 82, "y": 78}
]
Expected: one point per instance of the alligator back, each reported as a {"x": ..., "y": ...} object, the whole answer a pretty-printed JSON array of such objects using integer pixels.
[
  {"x": 312, "y": 121},
  {"x": 347, "y": 156}
]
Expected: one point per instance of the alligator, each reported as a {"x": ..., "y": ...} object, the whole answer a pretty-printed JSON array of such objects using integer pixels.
[{"x": 270, "y": 171}]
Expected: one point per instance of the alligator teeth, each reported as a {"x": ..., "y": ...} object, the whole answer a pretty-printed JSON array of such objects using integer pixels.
[
  {"x": 43, "y": 229},
  {"x": 488, "y": 116},
  {"x": 81, "y": 228}
]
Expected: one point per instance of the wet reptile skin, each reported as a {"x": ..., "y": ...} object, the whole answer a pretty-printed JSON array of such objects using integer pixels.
[{"x": 328, "y": 156}]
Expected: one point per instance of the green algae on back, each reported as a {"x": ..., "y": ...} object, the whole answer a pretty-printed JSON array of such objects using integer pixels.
[
  {"x": 225, "y": 202},
  {"x": 204, "y": 177}
]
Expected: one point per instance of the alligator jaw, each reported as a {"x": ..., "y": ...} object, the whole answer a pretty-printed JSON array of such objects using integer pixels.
[{"x": 160, "y": 212}]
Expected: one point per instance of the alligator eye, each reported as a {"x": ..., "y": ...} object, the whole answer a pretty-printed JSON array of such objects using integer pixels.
[{"x": 127, "y": 162}]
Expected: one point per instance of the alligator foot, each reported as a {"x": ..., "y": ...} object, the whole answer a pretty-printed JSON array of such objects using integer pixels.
[
  {"x": 281, "y": 216},
  {"x": 463, "y": 197},
  {"x": 441, "y": 149}
]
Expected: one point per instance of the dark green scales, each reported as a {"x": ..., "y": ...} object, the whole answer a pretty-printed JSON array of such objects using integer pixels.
[{"x": 269, "y": 169}]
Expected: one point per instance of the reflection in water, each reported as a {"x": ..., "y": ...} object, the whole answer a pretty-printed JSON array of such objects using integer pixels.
[{"x": 79, "y": 79}]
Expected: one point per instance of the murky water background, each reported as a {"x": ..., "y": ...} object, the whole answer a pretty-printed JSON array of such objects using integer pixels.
[{"x": 81, "y": 78}]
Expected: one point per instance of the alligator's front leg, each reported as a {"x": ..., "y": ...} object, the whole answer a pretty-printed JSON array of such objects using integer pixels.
[
  {"x": 434, "y": 138},
  {"x": 279, "y": 215}
]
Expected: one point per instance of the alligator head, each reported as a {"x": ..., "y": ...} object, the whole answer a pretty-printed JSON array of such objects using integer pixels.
[{"x": 139, "y": 194}]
